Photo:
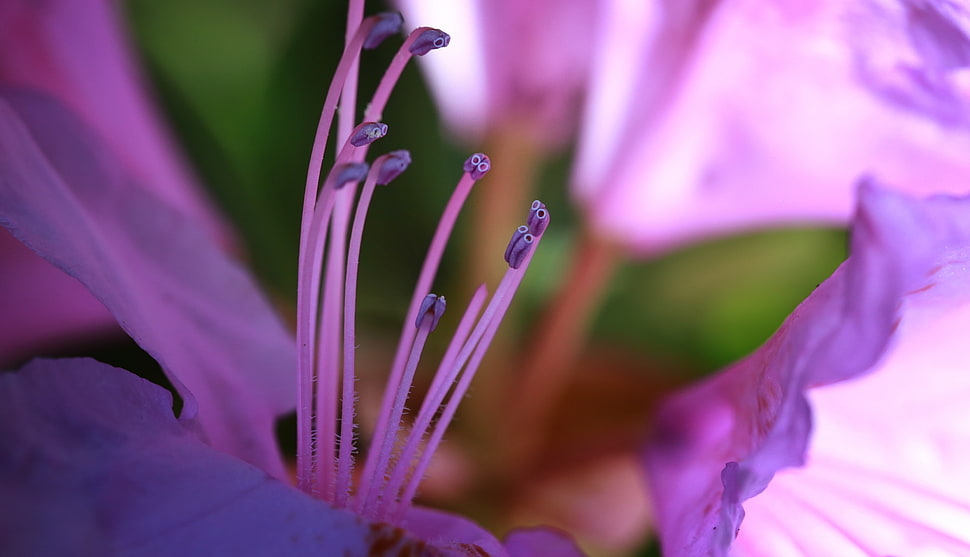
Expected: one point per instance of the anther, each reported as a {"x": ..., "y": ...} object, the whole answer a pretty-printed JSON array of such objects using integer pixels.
[
  {"x": 432, "y": 308},
  {"x": 393, "y": 165},
  {"x": 519, "y": 246},
  {"x": 430, "y": 39},
  {"x": 350, "y": 172},
  {"x": 367, "y": 133},
  {"x": 538, "y": 218},
  {"x": 519, "y": 232},
  {"x": 478, "y": 165},
  {"x": 388, "y": 23}
]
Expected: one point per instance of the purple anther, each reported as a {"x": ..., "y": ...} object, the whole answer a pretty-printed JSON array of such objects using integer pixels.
[
  {"x": 519, "y": 246},
  {"x": 394, "y": 164},
  {"x": 428, "y": 40},
  {"x": 367, "y": 133},
  {"x": 538, "y": 218},
  {"x": 432, "y": 307},
  {"x": 349, "y": 172},
  {"x": 388, "y": 23},
  {"x": 478, "y": 165}
]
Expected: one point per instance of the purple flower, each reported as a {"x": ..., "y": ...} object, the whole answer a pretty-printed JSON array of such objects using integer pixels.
[
  {"x": 844, "y": 434},
  {"x": 92, "y": 458},
  {"x": 706, "y": 117}
]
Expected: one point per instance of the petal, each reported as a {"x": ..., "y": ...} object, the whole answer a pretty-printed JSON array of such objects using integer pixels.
[
  {"x": 886, "y": 469},
  {"x": 76, "y": 51},
  {"x": 538, "y": 542},
  {"x": 92, "y": 462},
  {"x": 749, "y": 114},
  {"x": 42, "y": 306},
  {"x": 519, "y": 64},
  {"x": 170, "y": 288},
  {"x": 719, "y": 443}
]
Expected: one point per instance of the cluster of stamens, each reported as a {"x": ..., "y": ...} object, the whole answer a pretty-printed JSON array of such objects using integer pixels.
[{"x": 329, "y": 254}]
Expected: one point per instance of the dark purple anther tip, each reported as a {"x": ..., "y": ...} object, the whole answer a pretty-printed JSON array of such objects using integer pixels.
[
  {"x": 428, "y": 40},
  {"x": 478, "y": 165},
  {"x": 367, "y": 133},
  {"x": 393, "y": 165},
  {"x": 538, "y": 218},
  {"x": 349, "y": 172},
  {"x": 519, "y": 246},
  {"x": 388, "y": 23},
  {"x": 432, "y": 308}
]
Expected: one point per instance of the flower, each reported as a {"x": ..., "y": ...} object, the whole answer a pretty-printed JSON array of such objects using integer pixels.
[
  {"x": 842, "y": 434},
  {"x": 743, "y": 114},
  {"x": 93, "y": 459}
]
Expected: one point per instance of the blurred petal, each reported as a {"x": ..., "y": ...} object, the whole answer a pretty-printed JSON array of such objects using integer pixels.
[
  {"x": 42, "y": 306},
  {"x": 92, "y": 462},
  {"x": 719, "y": 443},
  {"x": 743, "y": 113},
  {"x": 170, "y": 288},
  {"x": 511, "y": 63},
  {"x": 539, "y": 542},
  {"x": 75, "y": 51}
]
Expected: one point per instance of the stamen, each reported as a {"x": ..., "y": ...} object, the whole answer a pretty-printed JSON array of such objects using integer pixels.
[
  {"x": 306, "y": 331},
  {"x": 388, "y": 23},
  {"x": 428, "y": 40},
  {"x": 516, "y": 236},
  {"x": 538, "y": 218},
  {"x": 393, "y": 165},
  {"x": 428, "y": 270},
  {"x": 440, "y": 386},
  {"x": 432, "y": 307},
  {"x": 367, "y": 133},
  {"x": 350, "y": 172},
  {"x": 519, "y": 247},
  {"x": 479, "y": 341},
  {"x": 393, "y": 72},
  {"x": 372, "y": 487},
  {"x": 478, "y": 165},
  {"x": 345, "y": 458}
]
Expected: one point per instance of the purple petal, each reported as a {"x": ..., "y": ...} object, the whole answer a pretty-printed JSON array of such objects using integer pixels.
[
  {"x": 42, "y": 306},
  {"x": 750, "y": 114},
  {"x": 75, "y": 51},
  {"x": 539, "y": 542},
  {"x": 92, "y": 462},
  {"x": 170, "y": 288},
  {"x": 719, "y": 443}
]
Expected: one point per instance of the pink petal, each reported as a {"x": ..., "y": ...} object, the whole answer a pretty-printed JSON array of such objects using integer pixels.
[
  {"x": 886, "y": 469},
  {"x": 76, "y": 51},
  {"x": 92, "y": 462},
  {"x": 516, "y": 64},
  {"x": 42, "y": 306},
  {"x": 170, "y": 288},
  {"x": 719, "y": 443},
  {"x": 745, "y": 114}
]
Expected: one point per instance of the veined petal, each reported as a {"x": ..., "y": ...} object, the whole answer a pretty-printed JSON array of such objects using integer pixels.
[
  {"x": 719, "y": 443},
  {"x": 771, "y": 109},
  {"x": 92, "y": 462},
  {"x": 168, "y": 285}
]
